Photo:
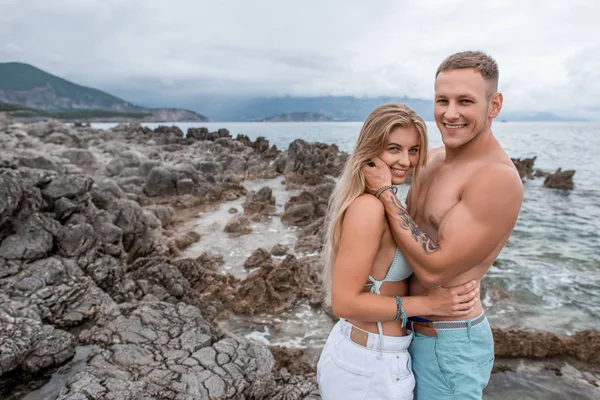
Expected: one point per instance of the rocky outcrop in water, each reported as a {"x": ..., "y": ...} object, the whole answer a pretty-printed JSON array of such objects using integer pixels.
[
  {"x": 557, "y": 180},
  {"x": 560, "y": 180},
  {"x": 524, "y": 166},
  {"x": 583, "y": 346},
  {"x": 260, "y": 205}
]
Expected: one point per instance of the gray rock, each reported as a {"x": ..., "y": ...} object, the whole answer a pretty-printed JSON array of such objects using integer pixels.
[
  {"x": 259, "y": 258},
  {"x": 27, "y": 343},
  {"x": 280, "y": 250},
  {"x": 560, "y": 180},
  {"x": 33, "y": 239},
  {"x": 170, "y": 351},
  {"x": 261, "y": 202},
  {"x": 185, "y": 186},
  {"x": 80, "y": 157},
  {"x": 114, "y": 167},
  {"x": 106, "y": 191},
  {"x": 160, "y": 182},
  {"x": 70, "y": 186},
  {"x": 238, "y": 225}
]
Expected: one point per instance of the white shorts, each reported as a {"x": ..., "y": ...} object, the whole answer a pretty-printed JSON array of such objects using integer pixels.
[{"x": 348, "y": 371}]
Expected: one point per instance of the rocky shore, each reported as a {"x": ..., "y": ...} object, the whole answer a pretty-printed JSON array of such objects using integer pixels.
[{"x": 90, "y": 259}]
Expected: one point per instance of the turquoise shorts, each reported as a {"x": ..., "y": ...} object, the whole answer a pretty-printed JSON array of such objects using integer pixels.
[{"x": 455, "y": 365}]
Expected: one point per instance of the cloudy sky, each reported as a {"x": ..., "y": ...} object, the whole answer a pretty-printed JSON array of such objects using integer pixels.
[{"x": 150, "y": 51}]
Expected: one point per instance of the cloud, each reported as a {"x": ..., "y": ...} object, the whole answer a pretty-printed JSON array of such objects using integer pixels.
[{"x": 547, "y": 51}]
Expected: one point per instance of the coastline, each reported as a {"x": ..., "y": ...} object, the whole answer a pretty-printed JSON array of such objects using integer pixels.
[{"x": 96, "y": 221}]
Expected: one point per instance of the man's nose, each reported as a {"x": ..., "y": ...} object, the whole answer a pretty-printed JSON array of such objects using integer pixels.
[{"x": 451, "y": 112}]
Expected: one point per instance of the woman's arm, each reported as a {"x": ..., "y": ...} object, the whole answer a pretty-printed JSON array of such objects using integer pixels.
[{"x": 362, "y": 230}]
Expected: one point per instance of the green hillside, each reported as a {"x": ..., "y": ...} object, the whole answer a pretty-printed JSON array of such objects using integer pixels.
[
  {"x": 19, "y": 111},
  {"x": 31, "y": 87}
]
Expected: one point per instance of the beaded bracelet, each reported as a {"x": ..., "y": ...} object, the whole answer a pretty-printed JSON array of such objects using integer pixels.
[
  {"x": 383, "y": 189},
  {"x": 400, "y": 311}
]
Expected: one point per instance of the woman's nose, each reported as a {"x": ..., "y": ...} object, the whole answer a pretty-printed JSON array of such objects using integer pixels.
[{"x": 403, "y": 159}]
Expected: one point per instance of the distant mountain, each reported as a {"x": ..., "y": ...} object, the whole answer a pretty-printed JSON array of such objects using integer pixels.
[
  {"x": 28, "y": 86},
  {"x": 341, "y": 108},
  {"x": 298, "y": 117},
  {"x": 538, "y": 116}
]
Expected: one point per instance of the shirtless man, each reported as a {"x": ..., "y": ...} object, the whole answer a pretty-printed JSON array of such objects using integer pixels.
[{"x": 468, "y": 198}]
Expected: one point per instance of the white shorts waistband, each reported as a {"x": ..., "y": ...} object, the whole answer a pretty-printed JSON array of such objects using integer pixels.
[{"x": 390, "y": 343}]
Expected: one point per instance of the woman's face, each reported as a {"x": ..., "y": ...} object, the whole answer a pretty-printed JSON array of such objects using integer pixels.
[{"x": 401, "y": 153}]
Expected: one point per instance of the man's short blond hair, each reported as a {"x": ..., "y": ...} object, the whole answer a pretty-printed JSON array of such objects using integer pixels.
[{"x": 479, "y": 61}]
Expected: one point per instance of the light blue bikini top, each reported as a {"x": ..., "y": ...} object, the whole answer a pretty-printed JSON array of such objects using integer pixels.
[{"x": 398, "y": 271}]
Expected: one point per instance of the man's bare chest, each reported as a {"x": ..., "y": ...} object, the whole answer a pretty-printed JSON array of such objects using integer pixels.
[{"x": 439, "y": 191}]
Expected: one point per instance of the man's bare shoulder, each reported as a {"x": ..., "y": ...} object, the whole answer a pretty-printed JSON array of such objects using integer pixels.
[{"x": 496, "y": 178}]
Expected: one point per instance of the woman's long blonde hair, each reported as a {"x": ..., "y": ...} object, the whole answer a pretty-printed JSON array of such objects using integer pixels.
[{"x": 373, "y": 139}]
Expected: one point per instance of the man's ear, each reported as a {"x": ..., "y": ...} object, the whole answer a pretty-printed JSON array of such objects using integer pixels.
[{"x": 495, "y": 105}]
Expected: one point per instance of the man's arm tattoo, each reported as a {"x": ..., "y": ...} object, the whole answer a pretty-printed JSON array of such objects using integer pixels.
[{"x": 406, "y": 222}]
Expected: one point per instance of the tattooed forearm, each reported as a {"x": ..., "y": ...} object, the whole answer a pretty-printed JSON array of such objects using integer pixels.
[{"x": 420, "y": 236}]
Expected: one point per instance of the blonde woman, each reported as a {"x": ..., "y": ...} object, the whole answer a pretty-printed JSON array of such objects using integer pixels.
[{"x": 365, "y": 274}]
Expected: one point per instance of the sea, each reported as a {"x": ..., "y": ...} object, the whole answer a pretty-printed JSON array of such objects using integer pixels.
[{"x": 547, "y": 278}]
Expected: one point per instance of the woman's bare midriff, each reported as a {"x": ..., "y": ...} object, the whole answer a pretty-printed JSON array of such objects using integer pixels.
[{"x": 389, "y": 328}]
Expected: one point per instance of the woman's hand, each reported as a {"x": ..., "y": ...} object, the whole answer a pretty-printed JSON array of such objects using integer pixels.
[{"x": 455, "y": 301}]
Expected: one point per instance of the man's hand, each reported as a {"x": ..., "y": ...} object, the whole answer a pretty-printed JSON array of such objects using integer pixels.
[{"x": 376, "y": 176}]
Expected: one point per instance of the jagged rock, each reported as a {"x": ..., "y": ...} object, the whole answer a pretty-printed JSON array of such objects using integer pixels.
[
  {"x": 185, "y": 186},
  {"x": 259, "y": 258},
  {"x": 583, "y": 346},
  {"x": 272, "y": 290},
  {"x": 280, "y": 250},
  {"x": 184, "y": 241},
  {"x": 164, "y": 276},
  {"x": 160, "y": 182},
  {"x": 26, "y": 343},
  {"x": 45, "y": 128},
  {"x": 261, "y": 202},
  {"x": 302, "y": 210},
  {"x": 238, "y": 225},
  {"x": 162, "y": 350},
  {"x": 164, "y": 213},
  {"x": 60, "y": 292},
  {"x": 524, "y": 166},
  {"x": 130, "y": 218},
  {"x": 80, "y": 157},
  {"x": 104, "y": 192},
  {"x": 304, "y": 157},
  {"x": 294, "y": 180},
  {"x": 540, "y": 174},
  {"x": 73, "y": 187},
  {"x": 40, "y": 162},
  {"x": 560, "y": 180},
  {"x": 210, "y": 261},
  {"x": 307, "y": 207},
  {"x": 33, "y": 239}
]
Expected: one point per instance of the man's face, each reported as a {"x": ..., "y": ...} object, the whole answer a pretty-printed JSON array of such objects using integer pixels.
[{"x": 463, "y": 108}]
